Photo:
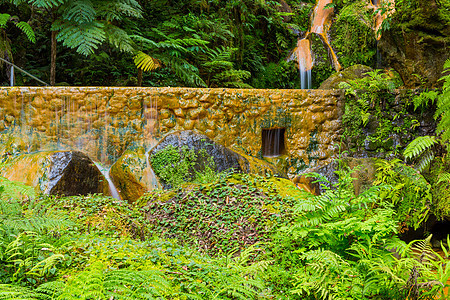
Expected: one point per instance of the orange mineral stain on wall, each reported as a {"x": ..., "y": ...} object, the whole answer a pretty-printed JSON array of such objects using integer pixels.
[
  {"x": 103, "y": 122},
  {"x": 304, "y": 56},
  {"x": 322, "y": 16}
]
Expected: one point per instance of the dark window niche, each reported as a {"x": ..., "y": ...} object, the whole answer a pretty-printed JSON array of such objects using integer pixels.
[{"x": 273, "y": 142}]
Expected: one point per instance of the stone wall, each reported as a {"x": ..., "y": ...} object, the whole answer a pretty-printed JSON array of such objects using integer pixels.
[{"x": 104, "y": 122}]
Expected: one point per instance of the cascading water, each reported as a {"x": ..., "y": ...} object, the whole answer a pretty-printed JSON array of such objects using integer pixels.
[
  {"x": 273, "y": 142},
  {"x": 303, "y": 53},
  {"x": 112, "y": 188},
  {"x": 305, "y": 62}
]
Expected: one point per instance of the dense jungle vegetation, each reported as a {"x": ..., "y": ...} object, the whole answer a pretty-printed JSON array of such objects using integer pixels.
[{"x": 227, "y": 235}]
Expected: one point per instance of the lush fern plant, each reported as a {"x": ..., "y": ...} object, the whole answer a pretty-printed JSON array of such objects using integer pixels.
[
  {"x": 23, "y": 26},
  {"x": 421, "y": 149},
  {"x": 411, "y": 194}
]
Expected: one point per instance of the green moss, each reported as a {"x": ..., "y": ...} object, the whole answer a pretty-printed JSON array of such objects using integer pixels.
[
  {"x": 323, "y": 64},
  {"x": 440, "y": 190},
  {"x": 352, "y": 36}
]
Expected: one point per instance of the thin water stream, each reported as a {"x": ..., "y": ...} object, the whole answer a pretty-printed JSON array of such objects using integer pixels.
[{"x": 112, "y": 188}]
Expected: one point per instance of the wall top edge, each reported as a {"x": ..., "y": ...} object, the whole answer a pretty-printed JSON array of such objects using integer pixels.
[{"x": 9, "y": 88}]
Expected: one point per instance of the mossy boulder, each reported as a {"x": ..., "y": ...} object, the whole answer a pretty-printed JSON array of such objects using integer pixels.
[
  {"x": 351, "y": 34},
  {"x": 204, "y": 153},
  {"x": 67, "y": 173},
  {"x": 417, "y": 44},
  {"x": 132, "y": 175},
  {"x": 363, "y": 172},
  {"x": 350, "y": 73}
]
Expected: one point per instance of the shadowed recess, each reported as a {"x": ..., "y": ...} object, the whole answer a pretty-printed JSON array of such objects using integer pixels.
[{"x": 273, "y": 142}]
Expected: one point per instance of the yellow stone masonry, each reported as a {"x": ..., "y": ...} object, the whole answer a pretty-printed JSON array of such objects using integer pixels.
[{"x": 104, "y": 121}]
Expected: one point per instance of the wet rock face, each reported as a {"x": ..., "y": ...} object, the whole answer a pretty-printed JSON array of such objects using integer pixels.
[
  {"x": 224, "y": 158},
  {"x": 132, "y": 176},
  {"x": 418, "y": 44},
  {"x": 73, "y": 173},
  {"x": 57, "y": 173}
]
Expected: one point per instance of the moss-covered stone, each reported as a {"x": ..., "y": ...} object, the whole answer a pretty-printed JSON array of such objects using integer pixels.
[
  {"x": 418, "y": 42},
  {"x": 350, "y": 73},
  {"x": 228, "y": 214},
  {"x": 132, "y": 175},
  {"x": 352, "y": 36}
]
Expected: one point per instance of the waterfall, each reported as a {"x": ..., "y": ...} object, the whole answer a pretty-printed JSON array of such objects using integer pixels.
[
  {"x": 273, "y": 142},
  {"x": 112, "y": 188},
  {"x": 303, "y": 54},
  {"x": 304, "y": 62}
]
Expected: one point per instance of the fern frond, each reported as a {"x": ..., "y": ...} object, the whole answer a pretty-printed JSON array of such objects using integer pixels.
[
  {"x": 118, "y": 38},
  {"x": 422, "y": 249},
  {"x": 145, "y": 62},
  {"x": 80, "y": 11},
  {"x": 50, "y": 290},
  {"x": 443, "y": 177},
  {"x": 4, "y": 18},
  {"x": 47, "y": 4},
  {"x": 116, "y": 10},
  {"x": 26, "y": 28},
  {"x": 443, "y": 105},
  {"x": 9, "y": 291},
  {"x": 85, "y": 38},
  {"x": 424, "y": 160},
  {"x": 185, "y": 71},
  {"x": 15, "y": 190},
  {"x": 424, "y": 98},
  {"x": 418, "y": 146}
]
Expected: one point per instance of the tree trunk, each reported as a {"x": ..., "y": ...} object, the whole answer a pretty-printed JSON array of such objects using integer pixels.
[
  {"x": 139, "y": 78},
  {"x": 53, "y": 60}
]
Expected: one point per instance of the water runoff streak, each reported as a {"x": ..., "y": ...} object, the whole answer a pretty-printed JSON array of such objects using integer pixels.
[
  {"x": 151, "y": 117},
  {"x": 112, "y": 188}
]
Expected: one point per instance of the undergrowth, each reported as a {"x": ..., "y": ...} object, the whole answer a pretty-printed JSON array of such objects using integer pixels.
[{"x": 233, "y": 212}]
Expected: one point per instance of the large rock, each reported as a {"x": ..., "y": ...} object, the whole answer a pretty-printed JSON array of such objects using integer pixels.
[
  {"x": 418, "y": 43},
  {"x": 224, "y": 158},
  {"x": 350, "y": 73},
  {"x": 363, "y": 172},
  {"x": 132, "y": 175},
  {"x": 57, "y": 173}
]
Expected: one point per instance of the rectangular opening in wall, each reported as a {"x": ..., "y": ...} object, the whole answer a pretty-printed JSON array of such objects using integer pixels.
[{"x": 273, "y": 142}]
